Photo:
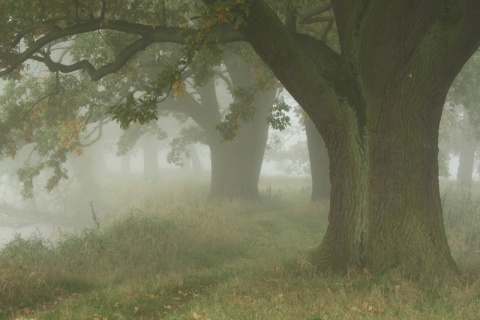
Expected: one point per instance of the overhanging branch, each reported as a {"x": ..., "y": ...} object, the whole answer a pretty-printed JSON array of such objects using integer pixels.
[
  {"x": 148, "y": 34},
  {"x": 96, "y": 74}
]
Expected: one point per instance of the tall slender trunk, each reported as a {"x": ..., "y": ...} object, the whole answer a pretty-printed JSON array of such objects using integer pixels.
[
  {"x": 319, "y": 163},
  {"x": 467, "y": 147}
]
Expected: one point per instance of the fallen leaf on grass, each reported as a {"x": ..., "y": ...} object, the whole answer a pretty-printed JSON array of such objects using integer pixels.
[
  {"x": 355, "y": 309},
  {"x": 196, "y": 316}
]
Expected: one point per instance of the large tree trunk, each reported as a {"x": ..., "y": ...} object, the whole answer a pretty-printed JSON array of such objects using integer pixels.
[
  {"x": 378, "y": 107},
  {"x": 236, "y": 165},
  {"x": 319, "y": 163},
  {"x": 385, "y": 209}
]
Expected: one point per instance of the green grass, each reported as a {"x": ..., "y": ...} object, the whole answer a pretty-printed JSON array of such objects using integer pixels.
[{"x": 181, "y": 258}]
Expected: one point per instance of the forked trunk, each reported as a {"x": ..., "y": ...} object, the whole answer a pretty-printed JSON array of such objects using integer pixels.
[{"x": 385, "y": 209}]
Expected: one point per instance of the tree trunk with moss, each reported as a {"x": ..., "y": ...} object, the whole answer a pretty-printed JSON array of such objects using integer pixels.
[{"x": 377, "y": 105}]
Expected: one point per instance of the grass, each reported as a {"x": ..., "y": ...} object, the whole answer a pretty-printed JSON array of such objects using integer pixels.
[{"x": 181, "y": 258}]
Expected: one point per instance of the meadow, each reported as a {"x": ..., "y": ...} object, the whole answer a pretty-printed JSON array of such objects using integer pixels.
[{"x": 169, "y": 254}]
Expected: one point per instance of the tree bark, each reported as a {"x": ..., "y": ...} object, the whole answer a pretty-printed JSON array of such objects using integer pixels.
[
  {"x": 319, "y": 163},
  {"x": 378, "y": 106},
  {"x": 385, "y": 209}
]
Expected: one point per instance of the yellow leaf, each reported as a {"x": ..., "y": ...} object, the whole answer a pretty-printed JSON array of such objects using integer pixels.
[
  {"x": 196, "y": 316},
  {"x": 366, "y": 305}
]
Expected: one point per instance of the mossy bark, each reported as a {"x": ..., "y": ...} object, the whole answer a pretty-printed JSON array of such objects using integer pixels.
[{"x": 385, "y": 204}]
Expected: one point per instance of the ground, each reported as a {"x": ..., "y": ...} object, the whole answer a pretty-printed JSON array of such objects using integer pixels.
[{"x": 171, "y": 255}]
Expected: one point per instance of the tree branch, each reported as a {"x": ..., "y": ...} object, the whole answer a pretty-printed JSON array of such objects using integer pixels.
[
  {"x": 99, "y": 127},
  {"x": 149, "y": 35},
  {"x": 96, "y": 74},
  {"x": 295, "y": 57}
]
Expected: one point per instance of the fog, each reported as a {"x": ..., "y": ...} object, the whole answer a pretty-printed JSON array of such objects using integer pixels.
[{"x": 68, "y": 208}]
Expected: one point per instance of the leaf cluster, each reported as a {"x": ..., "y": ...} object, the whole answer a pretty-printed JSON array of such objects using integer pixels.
[{"x": 241, "y": 110}]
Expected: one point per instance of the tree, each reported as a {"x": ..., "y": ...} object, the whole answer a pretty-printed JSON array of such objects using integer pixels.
[
  {"x": 237, "y": 154},
  {"x": 376, "y": 99},
  {"x": 378, "y": 106},
  {"x": 235, "y": 172}
]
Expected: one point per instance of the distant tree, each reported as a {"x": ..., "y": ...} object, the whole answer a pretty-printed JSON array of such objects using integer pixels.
[
  {"x": 305, "y": 155},
  {"x": 465, "y": 95}
]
